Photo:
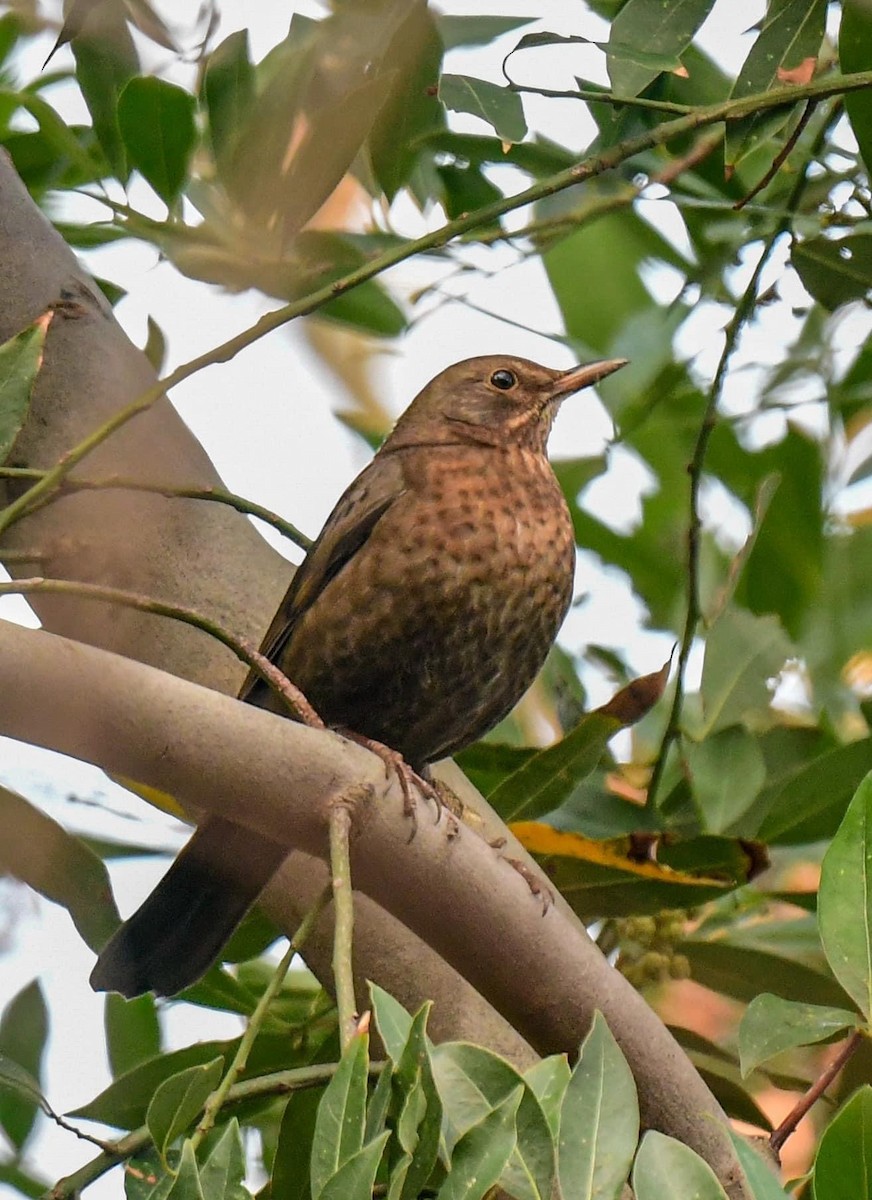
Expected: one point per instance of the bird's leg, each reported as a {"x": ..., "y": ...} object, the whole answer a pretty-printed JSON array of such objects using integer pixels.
[{"x": 408, "y": 778}]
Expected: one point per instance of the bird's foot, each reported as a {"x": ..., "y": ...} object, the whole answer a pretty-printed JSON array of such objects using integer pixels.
[
  {"x": 540, "y": 890},
  {"x": 410, "y": 781}
]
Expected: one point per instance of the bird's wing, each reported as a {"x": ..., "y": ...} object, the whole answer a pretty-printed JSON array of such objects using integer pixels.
[{"x": 356, "y": 514}]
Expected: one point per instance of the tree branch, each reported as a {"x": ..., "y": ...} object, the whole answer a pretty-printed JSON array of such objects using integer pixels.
[{"x": 211, "y": 751}]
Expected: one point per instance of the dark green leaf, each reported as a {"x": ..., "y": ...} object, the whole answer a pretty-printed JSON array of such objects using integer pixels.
[
  {"x": 291, "y": 1176},
  {"x": 480, "y": 1156},
  {"x": 657, "y": 28},
  {"x": 22, "y": 1181},
  {"x": 855, "y": 40},
  {"x": 544, "y": 781},
  {"x": 411, "y": 109},
  {"x": 186, "y": 1185},
  {"x": 548, "y": 1079},
  {"x": 771, "y": 1025},
  {"x": 726, "y": 773},
  {"x": 761, "y": 1176},
  {"x": 23, "y": 1034},
  {"x": 744, "y": 973},
  {"x": 475, "y": 30},
  {"x": 39, "y": 852},
  {"x": 845, "y": 900},
  {"x": 743, "y": 653},
  {"x": 496, "y": 105},
  {"x": 106, "y": 59},
  {"x": 132, "y": 1031},
  {"x": 843, "y": 1164},
  {"x": 156, "y": 120},
  {"x": 179, "y": 1100},
  {"x": 341, "y": 1117},
  {"x": 355, "y": 1178},
  {"x": 792, "y": 33},
  {"x": 599, "y": 1121},
  {"x": 809, "y": 804},
  {"x": 20, "y": 361},
  {"x": 223, "y": 1173},
  {"x": 835, "y": 270},
  {"x": 416, "y": 1112},
  {"x": 665, "y": 1167},
  {"x": 228, "y": 88}
]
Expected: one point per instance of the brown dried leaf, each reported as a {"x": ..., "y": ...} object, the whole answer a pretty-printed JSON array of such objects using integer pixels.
[
  {"x": 640, "y": 695},
  {"x": 800, "y": 75}
]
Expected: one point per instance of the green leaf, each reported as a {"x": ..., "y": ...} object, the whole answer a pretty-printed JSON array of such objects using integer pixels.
[
  {"x": 845, "y": 900},
  {"x": 855, "y": 39},
  {"x": 156, "y": 120},
  {"x": 666, "y": 29},
  {"x": 179, "y": 1100},
  {"x": 548, "y": 1080},
  {"x": 472, "y": 1082},
  {"x": 771, "y": 1025},
  {"x": 599, "y": 1120},
  {"x": 341, "y": 1116},
  {"x": 417, "y": 1112},
  {"x": 477, "y": 30},
  {"x": 835, "y": 270},
  {"x": 810, "y": 802},
  {"x": 726, "y": 773},
  {"x": 20, "y": 361},
  {"x": 500, "y": 107},
  {"x": 106, "y": 60},
  {"x": 40, "y": 852},
  {"x": 186, "y": 1185},
  {"x": 132, "y": 1031},
  {"x": 392, "y": 1020},
  {"x": 843, "y": 1163},
  {"x": 223, "y": 1173},
  {"x": 355, "y": 1178},
  {"x": 228, "y": 89},
  {"x": 744, "y": 972},
  {"x": 666, "y": 1168},
  {"x": 23, "y": 1034},
  {"x": 412, "y": 109},
  {"x": 793, "y": 32},
  {"x": 544, "y": 781},
  {"x": 291, "y": 1176},
  {"x": 15, "y": 1081},
  {"x": 480, "y": 1156},
  {"x": 743, "y": 652},
  {"x": 763, "y": 1181}
]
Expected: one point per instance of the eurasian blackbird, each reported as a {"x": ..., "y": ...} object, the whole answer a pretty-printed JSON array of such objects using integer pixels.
[{"x": 419, "y": 617}]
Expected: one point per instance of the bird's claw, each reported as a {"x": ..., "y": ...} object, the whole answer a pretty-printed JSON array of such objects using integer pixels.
[
  {"x": 534, "y": 883},
  {"x": 409, "y": 780}
]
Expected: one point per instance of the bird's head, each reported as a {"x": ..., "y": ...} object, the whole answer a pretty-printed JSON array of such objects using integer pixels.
[{"x": 493, "y": 400}]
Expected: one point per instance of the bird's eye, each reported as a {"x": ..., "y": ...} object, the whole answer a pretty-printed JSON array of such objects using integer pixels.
[{"x": 503, "y": 380}]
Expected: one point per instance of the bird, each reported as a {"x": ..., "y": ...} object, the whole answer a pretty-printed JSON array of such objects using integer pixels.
[{"x": 418, "y": 618}]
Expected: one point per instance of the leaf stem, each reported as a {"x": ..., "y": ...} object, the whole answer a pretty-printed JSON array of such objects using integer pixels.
[{"x": 340, "y": 867}]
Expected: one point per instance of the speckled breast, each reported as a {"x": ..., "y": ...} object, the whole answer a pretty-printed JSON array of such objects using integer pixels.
[{"x": 429, "y": 638}]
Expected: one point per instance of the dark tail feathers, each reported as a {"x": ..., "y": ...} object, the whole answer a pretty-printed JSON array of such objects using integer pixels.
[{"x": 175, "y": 936}]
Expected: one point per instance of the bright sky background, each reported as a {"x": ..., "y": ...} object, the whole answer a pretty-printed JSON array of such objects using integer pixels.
[{"x": 302, "y": 463}]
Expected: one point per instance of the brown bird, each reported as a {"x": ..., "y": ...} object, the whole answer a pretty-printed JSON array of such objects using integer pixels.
[{"x": 418, "y": 619}]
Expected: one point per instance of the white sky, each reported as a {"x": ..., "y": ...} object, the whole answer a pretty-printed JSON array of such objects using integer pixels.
[{"x": 300, "y": 467}]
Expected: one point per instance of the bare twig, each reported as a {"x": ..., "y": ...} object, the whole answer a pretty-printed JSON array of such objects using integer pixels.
[
  {"x": 780, "y": 1135},
  {"x": 743, "y": 313},
  {"x": 217, "y": 495},
  {"x": 780, "y": 158}
]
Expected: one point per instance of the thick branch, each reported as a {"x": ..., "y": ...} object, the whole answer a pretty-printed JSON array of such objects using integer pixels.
[{"x": 212, "y": 752}]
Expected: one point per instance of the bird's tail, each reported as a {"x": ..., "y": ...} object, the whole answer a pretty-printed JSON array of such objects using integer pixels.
[{"x": 174, "y": 937}]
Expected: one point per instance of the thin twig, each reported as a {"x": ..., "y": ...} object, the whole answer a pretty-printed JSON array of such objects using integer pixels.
[
  {"x": 780, "y": 158},
  {"x": 340, "y": 869},
  {"x": 218, "y": 1099},
  {"x": 598, "y": 164},
  {"x": 743, "y": 312},
  {"x": 278, "y": 1083},
  {"x": 243, "y": 649},
  {"x": 780, "y": 1135},
  {"x": 215, "y": 494}
]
